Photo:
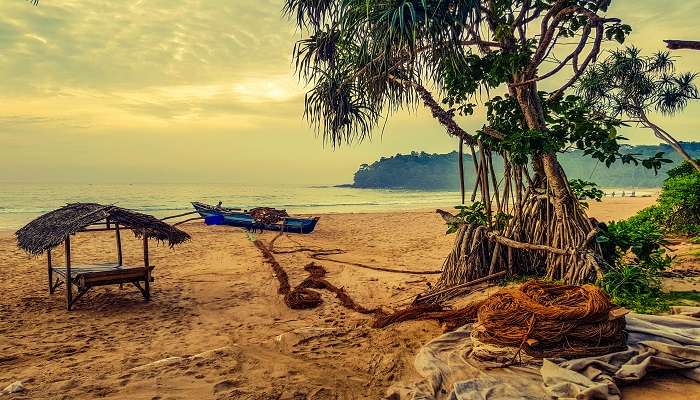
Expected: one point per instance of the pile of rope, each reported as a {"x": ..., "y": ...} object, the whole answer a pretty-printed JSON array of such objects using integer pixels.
[
  {"x": 538, "y": 318},
  {"x": 302, "y": 297},
  {"x": 267, "y": 215},
  {"x": 551, "y": 320}
]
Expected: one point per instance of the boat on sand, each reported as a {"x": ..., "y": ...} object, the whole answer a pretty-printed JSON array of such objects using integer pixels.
[{"x": 218, "y": 215}]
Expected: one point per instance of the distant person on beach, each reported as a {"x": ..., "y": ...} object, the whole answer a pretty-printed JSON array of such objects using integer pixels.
[
  {"x": 613, "y": 194},
  {"x": 632, "y": 194},
  {"x": 623, "y": 194}
]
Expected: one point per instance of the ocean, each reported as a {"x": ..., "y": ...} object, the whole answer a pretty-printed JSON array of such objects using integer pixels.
[{"x": 22, "y": 202}]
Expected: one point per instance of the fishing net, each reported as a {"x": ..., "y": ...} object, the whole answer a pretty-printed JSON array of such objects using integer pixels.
[
  {"x": 267, "y": 215},
  {"x": 538, "y": 318}
]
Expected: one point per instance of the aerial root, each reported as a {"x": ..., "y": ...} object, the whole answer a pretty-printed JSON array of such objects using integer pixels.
[{"x": 533, "y": 242}]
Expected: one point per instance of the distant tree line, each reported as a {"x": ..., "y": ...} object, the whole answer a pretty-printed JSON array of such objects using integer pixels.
[{"x": 424, "y": 171}]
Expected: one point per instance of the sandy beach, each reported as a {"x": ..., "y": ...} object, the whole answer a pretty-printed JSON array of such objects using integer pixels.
[{"x": 216, "y": 327}]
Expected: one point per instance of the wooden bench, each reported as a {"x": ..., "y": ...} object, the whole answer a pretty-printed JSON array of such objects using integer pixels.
[{"x": 85, "y": 277}]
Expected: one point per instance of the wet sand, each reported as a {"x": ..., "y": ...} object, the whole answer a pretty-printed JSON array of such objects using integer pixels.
[{"x": 216, "y": 327}]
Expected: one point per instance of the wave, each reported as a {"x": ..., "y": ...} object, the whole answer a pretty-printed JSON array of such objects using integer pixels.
[
  {"x": 5, "y": 210},
  {"x": 387, "y": 203}
]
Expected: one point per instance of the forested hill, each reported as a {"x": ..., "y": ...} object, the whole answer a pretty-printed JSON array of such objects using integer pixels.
[{"x": 425, "y": 171}]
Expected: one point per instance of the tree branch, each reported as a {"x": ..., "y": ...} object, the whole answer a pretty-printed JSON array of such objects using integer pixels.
[
  {"x": 682, "y": 44},
  {"x": 493, "y": 133},
  {"x": 476, "y": 41},
  {"x": 523, "y": 13},
  {"x": 591, "y": 57},
  {"x": 666, "y": 137},
  {"x": 445, "y": 117},
  {"x": 558, "y": 13},
  {"x": 528, "y": 246}
]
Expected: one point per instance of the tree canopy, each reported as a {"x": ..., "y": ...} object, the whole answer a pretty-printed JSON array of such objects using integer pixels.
[
  {"x": 364, "y": 59},
  {"x": 629, "y": 85}
]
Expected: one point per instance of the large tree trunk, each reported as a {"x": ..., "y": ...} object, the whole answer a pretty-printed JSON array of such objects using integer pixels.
[{"x": 571, "y": 229}]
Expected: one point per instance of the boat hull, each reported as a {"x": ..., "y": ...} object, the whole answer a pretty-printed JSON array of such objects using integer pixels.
[{"x": 244, "y": 220}]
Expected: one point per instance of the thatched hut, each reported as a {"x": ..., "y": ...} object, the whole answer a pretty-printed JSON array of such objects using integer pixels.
[{"x": 56, "y": 227}]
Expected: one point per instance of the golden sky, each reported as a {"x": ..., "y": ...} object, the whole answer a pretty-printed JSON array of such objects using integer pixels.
[{"x": 189, "y": 90}]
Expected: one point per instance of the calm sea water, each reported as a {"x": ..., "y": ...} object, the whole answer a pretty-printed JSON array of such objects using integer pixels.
[{"x": 20, "y": 203}]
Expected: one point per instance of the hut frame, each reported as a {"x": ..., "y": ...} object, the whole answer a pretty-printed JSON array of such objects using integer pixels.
[
  {"x": 57, "y": 227},
  {"x": 85, "y": 277}
]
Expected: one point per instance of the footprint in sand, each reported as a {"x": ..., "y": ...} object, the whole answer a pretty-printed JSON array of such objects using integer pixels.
[{"x": 227, "y": 384}]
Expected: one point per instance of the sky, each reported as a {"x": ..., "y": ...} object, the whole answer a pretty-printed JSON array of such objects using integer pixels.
[{"x": 135, "y": 91}]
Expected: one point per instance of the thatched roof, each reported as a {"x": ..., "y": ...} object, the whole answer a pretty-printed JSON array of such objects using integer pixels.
[{"x": 52, "y": 229}]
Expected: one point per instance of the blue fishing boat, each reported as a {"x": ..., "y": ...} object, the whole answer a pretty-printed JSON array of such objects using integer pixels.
[{"x": 218, "y": 215}]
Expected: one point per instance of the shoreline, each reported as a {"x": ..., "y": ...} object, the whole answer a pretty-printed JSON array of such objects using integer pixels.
[{"x": 636, "y": 204}]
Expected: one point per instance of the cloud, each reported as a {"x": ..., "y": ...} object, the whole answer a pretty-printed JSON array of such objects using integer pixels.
[
  {"x": 132, "y": 44},
  {"x": 107, "y": 65},
  {"x": 210, "y": 82},
  {"x": 16, "y": 120}
]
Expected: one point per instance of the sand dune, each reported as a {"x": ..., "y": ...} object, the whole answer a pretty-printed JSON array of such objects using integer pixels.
[{"x": 216, "y": 327}]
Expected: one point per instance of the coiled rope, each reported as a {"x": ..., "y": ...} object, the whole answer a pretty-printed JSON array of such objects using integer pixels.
[{"x": 539, "y": 318}]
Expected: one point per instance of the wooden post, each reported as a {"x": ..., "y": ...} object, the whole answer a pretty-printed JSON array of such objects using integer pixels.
[
  {"x": 461, "y": 167},
  {"x": 50, "y": 271},
  {"x": 147, "y": 285},
  {"x": 69, "y": 280},
  {"x": 119, "y": 244}
]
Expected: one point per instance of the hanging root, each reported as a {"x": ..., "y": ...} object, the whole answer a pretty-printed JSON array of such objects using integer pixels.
[
  {"x": 529, "y": 229},
  {"x": 532, "y": 243},
  {"x": 467, "y": 261}
]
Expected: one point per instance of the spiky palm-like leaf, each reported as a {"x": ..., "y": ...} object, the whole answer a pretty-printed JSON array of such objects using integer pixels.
[
  {"x": 386, "y": 49},
  {"x": 359, "y": 52},
  {"x": 627, "y": 82}
]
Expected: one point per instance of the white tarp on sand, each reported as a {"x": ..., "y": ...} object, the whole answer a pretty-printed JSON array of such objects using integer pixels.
[{"x": 449, "y": 371}]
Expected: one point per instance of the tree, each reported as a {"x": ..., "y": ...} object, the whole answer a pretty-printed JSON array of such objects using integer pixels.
[
  {"x": 366, "y": 57},
  {"x": 630, "y": 85},
  {"x": 682, "y": 44}
]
